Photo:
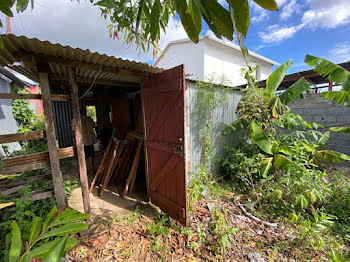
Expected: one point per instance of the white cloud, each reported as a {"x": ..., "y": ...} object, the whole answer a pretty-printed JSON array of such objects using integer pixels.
[
  {"x": 174, "y": 31},
  {"x": 81, "y": 25},
  {"x": 262, "y": 14},
  {"x": 340, "y": 53},
  {"x": 326, "y": 14},
  {"x": 75, "y": 24},
  {"x": 275, "y": 33},
  {"x": 289, "y": 9}
]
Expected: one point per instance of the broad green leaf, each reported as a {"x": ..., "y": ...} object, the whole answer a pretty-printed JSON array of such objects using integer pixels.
[
  {"x": 282, "y": 162},
  {"x": 275, "y": 79},
  {"x": 22, "y": 5},
  {"x": 330, "y": 70},
  {"x": 260, "y": 138},
  {"x": 311, "y": 196},
  {"x": 342, "y": 129},
  {"x": 301, "y": 201},
  {"x": 277, "y": 194},
  {"x": 16, "y": 242},
  {"x": 275, "y": 110},
  {"x": 5, "y": 7},
  {"x": 42, "y": 250},
  {"x": 66, "y": 213},
  {"x": 307, "y": 146},
  {"x": 73, "y": 218},
  {"x": 241, "y": 15},
  {"x": 287, "y": 150},
  {"x": 35, "y": 229},
  {"x": 266, "y": 166},
  {"x": 196, "y": 15},
  {"x": 237, "y": 125},
  {"x": 49, "y": 219},
  {"x": 155, "y": 15},
  {"x": 267, "y": 4},
  {"x": 187, "y": 20},
  {"x": 65, "y": 230},
  {"x": 340, "y": 97},
  {"x": 220, "y": 17},
  {"x": 332, "y": 156},
  {"x": 26, "y": 257},
  {"x": 275, "y": 147},
  {"x": 296, "y": 90},
  {"x": 3, "y": 205},
  {"x": 139, "y": 13},
  {"x": 56, "y": 252},
  {"x": 323, "y": 139}
]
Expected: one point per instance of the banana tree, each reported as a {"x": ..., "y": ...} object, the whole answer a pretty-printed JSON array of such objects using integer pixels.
[
  {"x": 337, "y": 74},
  {"x": 270, "y": 111},
  {"x": 56, "y": 228},
  {"x": 269, "y": 106}
]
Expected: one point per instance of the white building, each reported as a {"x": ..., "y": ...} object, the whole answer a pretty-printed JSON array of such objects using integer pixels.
[{"x": 213, "y": 57}]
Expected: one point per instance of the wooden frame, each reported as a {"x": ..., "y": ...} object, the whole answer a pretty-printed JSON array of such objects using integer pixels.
[
  {"x": 58, "y": 97},
  {"x": 18, "y": 137}
]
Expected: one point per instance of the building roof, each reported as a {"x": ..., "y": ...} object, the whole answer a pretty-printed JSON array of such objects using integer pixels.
[
  {"x": 24, "y": 55},
  {"x": 313, "y": 78},
  {"x": 223, "y": 42},
  {"x": 10, "y": 77}
]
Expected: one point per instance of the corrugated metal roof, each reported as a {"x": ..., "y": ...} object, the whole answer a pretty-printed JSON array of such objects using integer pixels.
[{"x": 87, "y": 62}]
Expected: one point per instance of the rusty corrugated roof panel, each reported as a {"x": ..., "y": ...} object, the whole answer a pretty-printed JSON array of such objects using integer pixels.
[{"x": 15, "y": 46}]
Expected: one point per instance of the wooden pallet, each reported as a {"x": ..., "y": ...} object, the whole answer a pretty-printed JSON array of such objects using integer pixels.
[{"x": 119, "y": 165}]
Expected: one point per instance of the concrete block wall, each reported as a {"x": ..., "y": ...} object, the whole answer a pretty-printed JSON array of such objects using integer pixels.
[{"x": 315, "y": 108}]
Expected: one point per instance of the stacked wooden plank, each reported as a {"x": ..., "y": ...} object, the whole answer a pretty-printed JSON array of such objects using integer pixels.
[
  {"x": 33, "y": 161},
  {"x": 119, "y": 164}
]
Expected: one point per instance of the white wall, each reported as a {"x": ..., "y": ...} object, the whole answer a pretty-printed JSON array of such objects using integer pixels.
[
  {"x": 187, "y": 53},
  {"x": 209, "y": 58},
  {"x": 8, "y": 124},
  {"x": 222, "y": 60}
]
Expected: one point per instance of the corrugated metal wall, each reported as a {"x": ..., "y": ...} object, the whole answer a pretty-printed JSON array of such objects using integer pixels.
[
  {"x": 224, "y": 114},
  {"x": 62, "y": 112}
]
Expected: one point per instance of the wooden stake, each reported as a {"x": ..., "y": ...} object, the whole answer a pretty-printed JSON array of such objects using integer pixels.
[
  {"x": 79, "y": 141},
  {"x": 51, "y": 142}
]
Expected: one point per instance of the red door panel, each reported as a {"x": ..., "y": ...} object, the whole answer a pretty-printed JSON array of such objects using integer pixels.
[{"x": 164, "y": 106}]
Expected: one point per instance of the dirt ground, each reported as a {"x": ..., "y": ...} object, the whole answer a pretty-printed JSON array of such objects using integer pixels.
[{"x": 108, "y": 207}]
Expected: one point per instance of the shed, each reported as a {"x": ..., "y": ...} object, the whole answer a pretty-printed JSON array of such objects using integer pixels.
[{"x": 154, "y": 102}]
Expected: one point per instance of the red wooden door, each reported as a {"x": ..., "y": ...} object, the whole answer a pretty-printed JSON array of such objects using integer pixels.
[{"x": 164, "y": 107}]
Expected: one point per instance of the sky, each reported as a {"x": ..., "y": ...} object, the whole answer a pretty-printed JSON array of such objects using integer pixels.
[{"x": 316, "y": 27}]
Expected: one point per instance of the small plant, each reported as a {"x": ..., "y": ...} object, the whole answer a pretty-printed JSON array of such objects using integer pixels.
[
  {"x": 48, "y": 240},
  {"x": 160, "y": 228}
]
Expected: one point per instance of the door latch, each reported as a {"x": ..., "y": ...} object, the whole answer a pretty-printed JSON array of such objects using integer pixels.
[{"x": 179, "y": 150}]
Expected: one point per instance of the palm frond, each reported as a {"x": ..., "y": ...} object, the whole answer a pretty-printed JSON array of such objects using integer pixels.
[{"x": 330, "y": 70}]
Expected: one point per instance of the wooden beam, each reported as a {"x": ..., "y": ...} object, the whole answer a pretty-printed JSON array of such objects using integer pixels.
[
  {"x": 37, "y": 157},
  {"x": 24, "y": 181},
  {"x": 40, "y": 196},
  {"x": 51, "y": 142},
  {"x": 98, "y": 81},
  {"x": 57, "y": 97},
  {"x": 22, "y": 168},
  {"x": 79, "y": 141},
  {"x": 18, "y": 137},
  {"x": 49, "y": 59}
]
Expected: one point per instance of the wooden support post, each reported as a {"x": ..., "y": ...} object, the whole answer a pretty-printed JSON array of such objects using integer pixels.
[
  {"x": 144, "y": 140},
  {"x": 79, "y": 141},
  {"x": 330, "y": 86},
  {"x": 51, "y": 142}
]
